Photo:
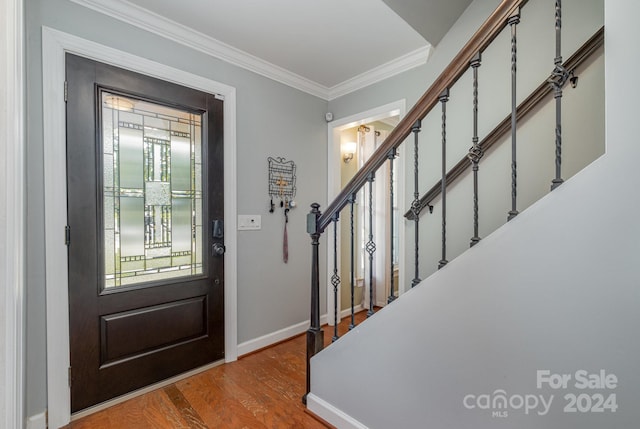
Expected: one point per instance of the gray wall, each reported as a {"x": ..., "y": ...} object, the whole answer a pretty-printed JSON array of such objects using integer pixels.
[
  {"x": 3, "y": 253},
  {"x": 412, "y": 84},
  {"x": 536, "y": 50},
  {"x": 272, "y": 120},
  {"x": 555, "y": 289}
]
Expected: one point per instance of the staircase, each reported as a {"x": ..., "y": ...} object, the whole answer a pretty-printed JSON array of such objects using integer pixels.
[{"x": 516, "y": 298}]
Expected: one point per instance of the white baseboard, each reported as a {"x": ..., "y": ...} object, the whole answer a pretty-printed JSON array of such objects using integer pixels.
[
  {"x": 286, "y": 333},
  {"x": 275, "y": 337},
  {"x": 331, "y": 414},
  {"x": 347, "y": 312},
  {"x": 39, "y": 421}
]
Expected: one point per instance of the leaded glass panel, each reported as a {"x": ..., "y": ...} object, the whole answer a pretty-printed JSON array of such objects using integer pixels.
[{"x": 152, "y": 196}]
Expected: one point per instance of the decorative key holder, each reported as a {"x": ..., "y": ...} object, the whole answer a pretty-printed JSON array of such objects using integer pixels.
[{"x": 282, "y": 186}]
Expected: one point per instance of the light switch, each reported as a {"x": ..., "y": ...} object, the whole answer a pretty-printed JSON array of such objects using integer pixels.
[{"x": 249, "y": 222}]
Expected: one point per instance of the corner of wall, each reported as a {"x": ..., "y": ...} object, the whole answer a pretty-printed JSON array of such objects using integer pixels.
[{"x": 38, "y": 421}]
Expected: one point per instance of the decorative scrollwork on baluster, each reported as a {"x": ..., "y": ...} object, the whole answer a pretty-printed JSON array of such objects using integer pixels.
[
  {"x": 335, "y": 278},
  {"x": 513, "y": 21},
  {"x": 416, "y": 206},
  {"x": 370, "y": 246},
  {"x": 558, "y": 79},
  {"x": 392, "y": 156},
  {"x": 444, "y": 98},
  {"x": 475, "y": 152}
]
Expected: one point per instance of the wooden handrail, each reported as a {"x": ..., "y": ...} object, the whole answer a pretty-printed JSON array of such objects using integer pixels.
[
  {"x": 478, "y": 42},
  {"x": 583, "y": 53}
]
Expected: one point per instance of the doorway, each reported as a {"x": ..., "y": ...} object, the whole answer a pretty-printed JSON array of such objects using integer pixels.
[
  {"x": 145, "y": 230},
  {"x": 352, "y": 131},
  {"x": 55, "y": 45}
]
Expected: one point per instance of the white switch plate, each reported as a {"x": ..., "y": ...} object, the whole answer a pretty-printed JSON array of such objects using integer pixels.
[{"x": 249, "y": 222}]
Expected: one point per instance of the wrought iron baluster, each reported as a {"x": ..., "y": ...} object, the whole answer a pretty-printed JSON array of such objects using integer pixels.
[
  {"x": 392, "y": 157},
  {"x": 444, "y": 97},
  {"x": 513, "y": 21},
  {"x": 352, "y": 201},
  {"x": 416, "y": 207},
  {"x": 476, "y": 152},
  {"x": 335, "y": 278},
  {"x": 371, "y": 245},
  {"x": 558, "y": 79}
]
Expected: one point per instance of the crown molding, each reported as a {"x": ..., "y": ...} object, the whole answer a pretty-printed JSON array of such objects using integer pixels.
[
  {"x": 157, "y": 24},
  {"x": 384, "y": 71},
  {"x": 129, "y": 13}
]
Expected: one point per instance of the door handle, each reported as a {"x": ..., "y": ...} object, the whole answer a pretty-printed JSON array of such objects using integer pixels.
[{"x": 218, "y": 249}]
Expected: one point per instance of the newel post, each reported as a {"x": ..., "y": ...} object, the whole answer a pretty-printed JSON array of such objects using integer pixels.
[{"x": 315, "y": 335}]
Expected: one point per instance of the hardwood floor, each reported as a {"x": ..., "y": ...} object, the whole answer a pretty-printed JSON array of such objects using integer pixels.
[{"x": 261, "y": 390}]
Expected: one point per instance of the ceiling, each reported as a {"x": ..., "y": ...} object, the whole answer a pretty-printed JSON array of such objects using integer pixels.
[{"x": 326, "y": 48}]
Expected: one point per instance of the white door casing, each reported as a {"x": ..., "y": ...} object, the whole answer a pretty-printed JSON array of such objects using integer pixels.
[
  {"x": 334, "y": 160},
  {"x": 54, "y": 46},
  {"x": 12, "y": 214}
]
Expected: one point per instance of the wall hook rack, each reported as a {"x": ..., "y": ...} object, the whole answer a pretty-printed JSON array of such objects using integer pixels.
[
  {"x": 282, "y": 182},
  {"x": 282, "y": 186}
]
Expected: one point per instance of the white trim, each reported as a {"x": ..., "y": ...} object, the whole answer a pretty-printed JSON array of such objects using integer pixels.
[
  {"x": 137, "y": 16},
  {"x": 272, "y": 338},
  {"x": 286, "y": 333},
  {"x": 334, "y": 162},
  {"x": 12, "y": 214},
  {"x": 347, "y": 311},
  {"x": 54, "y": 46},
  {"x": 120, "y": 399},
  {"x": 162, "y": 26},
  {"x": 331, "y": 414},
  {"x": 384, "y": 71},
  {"x": 39, "y": 421}
]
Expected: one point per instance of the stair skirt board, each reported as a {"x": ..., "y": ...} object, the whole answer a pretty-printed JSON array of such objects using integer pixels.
[{"x": 331, "y": 414}]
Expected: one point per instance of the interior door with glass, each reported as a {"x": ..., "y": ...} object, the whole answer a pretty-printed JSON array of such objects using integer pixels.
[{"x": 146, "y": 230}]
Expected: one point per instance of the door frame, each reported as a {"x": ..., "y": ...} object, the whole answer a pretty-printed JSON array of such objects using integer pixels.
[
  {"x": 55, "y": 44},
  {"x": 334, "y": 162},
  {"x": 12, "y": 227}
]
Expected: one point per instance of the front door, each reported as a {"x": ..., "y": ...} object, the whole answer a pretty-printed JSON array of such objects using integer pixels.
[{"x": 145, "y": 215}]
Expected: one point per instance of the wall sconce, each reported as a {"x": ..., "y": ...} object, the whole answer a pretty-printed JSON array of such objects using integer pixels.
[{"x": 348, "y": 151}]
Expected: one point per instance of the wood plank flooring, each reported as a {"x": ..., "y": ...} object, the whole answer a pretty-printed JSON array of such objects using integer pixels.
[{"x": 261, "y": 390}]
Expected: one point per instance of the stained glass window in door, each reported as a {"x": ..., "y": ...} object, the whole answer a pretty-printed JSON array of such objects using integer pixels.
[{"x": 152, "y": 196}]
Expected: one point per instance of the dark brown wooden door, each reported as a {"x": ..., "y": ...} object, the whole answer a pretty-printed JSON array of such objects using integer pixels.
[{"x": 145, "y": 214}]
